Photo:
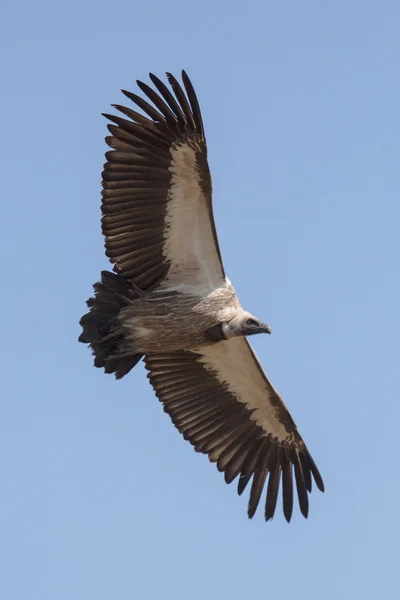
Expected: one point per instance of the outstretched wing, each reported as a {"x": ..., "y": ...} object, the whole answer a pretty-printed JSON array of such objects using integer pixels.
[
  {"x": 222, "y": 402},
  {"x": 157, "y": 209}
]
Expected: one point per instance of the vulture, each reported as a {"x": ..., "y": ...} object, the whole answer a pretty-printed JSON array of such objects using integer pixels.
[{"x": 170, "y": 303}]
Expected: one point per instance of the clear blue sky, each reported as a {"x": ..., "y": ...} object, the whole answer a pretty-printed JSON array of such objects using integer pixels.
[{"x": 100, "y": 496}]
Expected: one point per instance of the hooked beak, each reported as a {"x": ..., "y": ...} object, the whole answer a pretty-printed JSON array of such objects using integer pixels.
[{"x": 266, "y": 328}]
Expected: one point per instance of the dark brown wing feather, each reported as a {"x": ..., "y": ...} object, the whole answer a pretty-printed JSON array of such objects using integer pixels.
[
  {"x": 137, "y": 179},
  {"x": 212, "y": 419}
]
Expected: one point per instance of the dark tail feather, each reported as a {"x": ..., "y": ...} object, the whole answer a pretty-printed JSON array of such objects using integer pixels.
[{"x": 102, "y": 328}]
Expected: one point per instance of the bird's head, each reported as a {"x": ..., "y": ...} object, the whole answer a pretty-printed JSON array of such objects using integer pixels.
[{"x": 244, "y": 324}]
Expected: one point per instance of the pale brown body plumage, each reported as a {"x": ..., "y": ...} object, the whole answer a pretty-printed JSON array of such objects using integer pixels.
[{"x": 158, "y": 321}]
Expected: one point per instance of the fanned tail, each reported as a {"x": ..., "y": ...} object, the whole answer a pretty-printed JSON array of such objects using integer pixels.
[{"x": 102, "y": 329}]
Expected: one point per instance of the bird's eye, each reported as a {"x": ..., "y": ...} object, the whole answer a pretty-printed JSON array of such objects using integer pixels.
[{"x": 251, "y": 322}]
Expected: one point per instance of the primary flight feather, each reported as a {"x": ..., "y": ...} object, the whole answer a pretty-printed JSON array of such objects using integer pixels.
[{"x": 170, "y": 302}]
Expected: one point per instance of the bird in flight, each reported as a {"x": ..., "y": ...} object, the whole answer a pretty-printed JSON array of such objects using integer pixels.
[{"x": 170, "y": 303}]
